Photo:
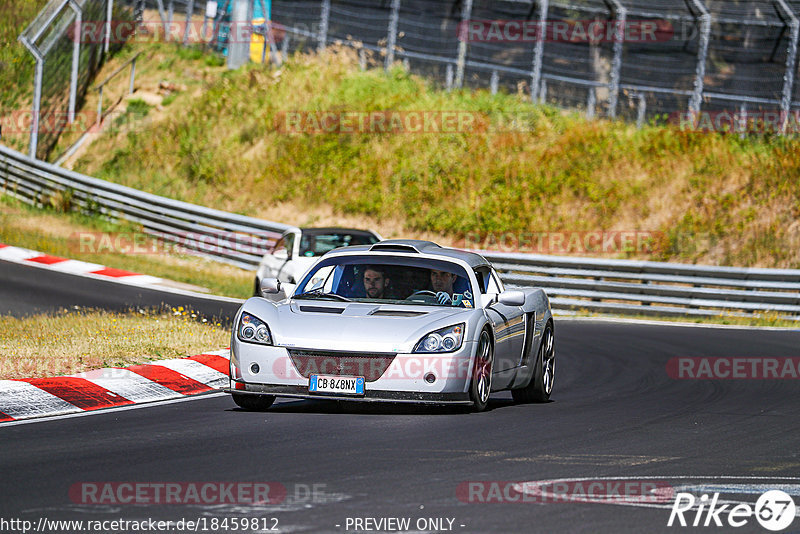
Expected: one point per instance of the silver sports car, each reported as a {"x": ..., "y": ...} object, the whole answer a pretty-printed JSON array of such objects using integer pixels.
[{"x": 399, "y": 321}]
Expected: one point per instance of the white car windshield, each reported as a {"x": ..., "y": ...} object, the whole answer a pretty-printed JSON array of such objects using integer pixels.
[{"x": 388, "y": 279}]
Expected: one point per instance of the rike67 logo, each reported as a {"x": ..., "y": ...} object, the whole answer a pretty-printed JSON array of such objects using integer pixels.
[{"x": 774, "y": 510}]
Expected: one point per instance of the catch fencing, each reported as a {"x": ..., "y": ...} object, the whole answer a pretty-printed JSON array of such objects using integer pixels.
[
  {"x": 65, "y": 63},
  {"x": 643, "y": 60},
  {"x": 601, "y": 285}
]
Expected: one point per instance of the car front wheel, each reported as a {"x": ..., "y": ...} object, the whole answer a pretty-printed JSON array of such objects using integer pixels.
[{"x": 481, "y": 385}]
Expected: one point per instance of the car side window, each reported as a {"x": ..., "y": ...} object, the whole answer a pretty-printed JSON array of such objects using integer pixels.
[{"x": 484, "y": 276}]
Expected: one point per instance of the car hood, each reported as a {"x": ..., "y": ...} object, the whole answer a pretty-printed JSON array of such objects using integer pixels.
[{"x": 352, "y": 326}]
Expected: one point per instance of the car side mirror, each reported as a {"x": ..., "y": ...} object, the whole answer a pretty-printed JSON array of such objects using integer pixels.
[
  {"x": 512, "y": 297},
  {"x": 281, "y": 254},
  {"x": 270, "y": 286}
]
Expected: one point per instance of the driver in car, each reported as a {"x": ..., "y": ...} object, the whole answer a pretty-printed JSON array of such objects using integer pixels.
[{"x": 375, "y": 282}]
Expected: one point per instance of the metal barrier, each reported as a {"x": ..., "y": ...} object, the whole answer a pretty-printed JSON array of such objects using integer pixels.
[
  {"x": 603, "y": 285},
  {"x": 225, "y": 237}
]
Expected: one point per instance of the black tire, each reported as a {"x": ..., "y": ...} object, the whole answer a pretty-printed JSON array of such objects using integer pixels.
[
  {"x": 253, "y": 403},
  {"x": 481, "y": 385},
  {"x": 541, "y": 384}
]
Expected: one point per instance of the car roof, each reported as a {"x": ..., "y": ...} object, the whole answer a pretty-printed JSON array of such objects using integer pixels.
[
  {"x": 333, "y": 229},
  {"x": 415, "y": 246}
]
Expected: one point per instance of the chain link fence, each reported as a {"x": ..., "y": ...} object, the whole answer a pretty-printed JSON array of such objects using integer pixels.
[
  {"x": 641, "y": 60},
  {"x": 63, "y": 40}
]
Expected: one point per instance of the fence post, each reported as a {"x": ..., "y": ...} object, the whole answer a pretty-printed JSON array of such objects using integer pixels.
[
  {"x": 324, "y": 19},
  {"x": 543, "y": 91},
  {"x": 620, "y": 21},
  {"x": 702, "y": 54},
  {"x": 170, "y": 18},
  {"x": 163, "y": 16},
  {"x": 791, "y": 63},
  {"x": 109, "y": 15},
  {"x": 538, "y": 50},
  {"x": 494, "y": 82},
  {"x": 742, "y": 120},
  {"x": 37, "y": 95},
  {"x": 391, "y": 39},
  {"x": 466, "y": 13},
  {"x": 189, "y": 14},
  {"x": 76, "y": 56}
]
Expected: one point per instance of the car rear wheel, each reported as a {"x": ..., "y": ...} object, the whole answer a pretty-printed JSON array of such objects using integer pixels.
[
  {"x": 253, "y": 403},
  {"x": 541, "y": 384},
  {"x": 481, "y": 385}
]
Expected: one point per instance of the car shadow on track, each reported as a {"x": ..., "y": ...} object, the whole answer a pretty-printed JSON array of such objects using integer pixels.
[{"x": 311, "y": 406}]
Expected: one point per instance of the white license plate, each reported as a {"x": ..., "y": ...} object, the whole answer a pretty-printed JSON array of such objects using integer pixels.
[{"x": 346, "y": 385}]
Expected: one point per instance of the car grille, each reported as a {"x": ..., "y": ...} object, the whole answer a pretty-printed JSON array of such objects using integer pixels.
[{"x": 370, "y": 366}]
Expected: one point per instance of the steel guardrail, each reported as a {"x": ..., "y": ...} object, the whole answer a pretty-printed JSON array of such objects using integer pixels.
[{"x": 572, "y": 283}]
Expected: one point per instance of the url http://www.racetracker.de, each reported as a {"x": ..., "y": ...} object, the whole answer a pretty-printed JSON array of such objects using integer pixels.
[{"x": 120, "y": 526}]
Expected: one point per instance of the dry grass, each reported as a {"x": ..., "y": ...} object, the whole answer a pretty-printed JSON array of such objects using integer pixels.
[{"x": 80, "y": 340}]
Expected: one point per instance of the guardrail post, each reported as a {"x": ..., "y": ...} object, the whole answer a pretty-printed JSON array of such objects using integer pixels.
[
  {"x": 391, "y": 38},
  {"x": 37, "y": 95},
  {"x": 620, "y": 21},
  {"x": 591, "y": 103},
  {"x": 791, "y": 62},
  {"x": 538, "y": 49},
  {"x": 285, "y": 46},
  {"x": 494, "y": 82},
  {"x": 99, "y": 106},
  {"x": 448, "y": 77},
  {"x": 704, "y": 19},
  {"x": 742, "y": 120},
  {"x": 133, "y": 75},
  {"x": 324, "y": 20},
  {"x": 543, "y": 91},
  {"x": 76, "y": 56},
  {"x": 641, "y": 110},
  {"x": 466, "y": 13}
]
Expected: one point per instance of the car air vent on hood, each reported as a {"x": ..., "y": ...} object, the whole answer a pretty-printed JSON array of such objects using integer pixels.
[
  {"x": 321, "y": 309},
  {"x": 397, "y": 313}
]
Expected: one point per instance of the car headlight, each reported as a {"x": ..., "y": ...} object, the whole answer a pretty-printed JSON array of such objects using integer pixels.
[
  {"x": 446, "y": 339},
  {"x": 253, "y": 330}
]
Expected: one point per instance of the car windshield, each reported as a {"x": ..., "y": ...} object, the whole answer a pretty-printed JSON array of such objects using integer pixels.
[
  {"x": 319, "y": 243},
  {"x": 388, "y": 279}
]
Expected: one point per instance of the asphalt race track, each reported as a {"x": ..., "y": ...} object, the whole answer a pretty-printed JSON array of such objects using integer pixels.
[
  {"x": 25, "y": 290},
  {"x": 615, "y": 413}
]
